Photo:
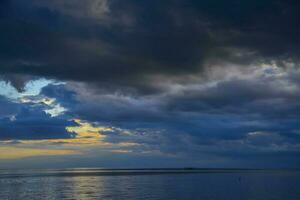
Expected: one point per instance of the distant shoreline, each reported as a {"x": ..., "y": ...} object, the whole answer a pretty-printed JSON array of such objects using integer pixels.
[
  {"x": 152, "y": 169},
  {"x": 131, "y": 172}
]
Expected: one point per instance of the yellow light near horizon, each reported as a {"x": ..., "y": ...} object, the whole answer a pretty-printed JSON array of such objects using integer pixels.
[
  {"x": 121, "y": 151},
  {"x": 88, "y": 136},
  {"x": 9, "y": 153},
  {"x": 86, "y": 130}
]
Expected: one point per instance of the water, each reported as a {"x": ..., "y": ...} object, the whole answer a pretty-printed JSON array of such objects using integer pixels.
[{"x": 87, "y": 184}]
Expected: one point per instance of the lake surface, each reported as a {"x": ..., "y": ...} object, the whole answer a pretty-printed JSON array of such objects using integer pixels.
[{"x": 86, "y": 184}]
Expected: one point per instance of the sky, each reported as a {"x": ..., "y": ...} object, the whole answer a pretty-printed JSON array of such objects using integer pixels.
[{"x": 136, "y": 83}]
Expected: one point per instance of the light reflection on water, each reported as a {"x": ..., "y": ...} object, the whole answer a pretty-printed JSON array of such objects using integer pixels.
[{"x": 214, "y": 186}]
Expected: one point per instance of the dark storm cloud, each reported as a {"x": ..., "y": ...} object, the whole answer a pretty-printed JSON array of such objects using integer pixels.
[
  {"x": 17, "y": 81},
  {"x": 122, "y": 45}
]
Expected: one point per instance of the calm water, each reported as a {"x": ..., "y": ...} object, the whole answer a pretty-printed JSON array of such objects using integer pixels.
[{"x": 120, "y": 185}]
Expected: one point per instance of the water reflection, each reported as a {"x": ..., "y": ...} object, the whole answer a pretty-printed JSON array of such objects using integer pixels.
[
  {"x": 234, "y": 186},
  {"x": 81, "y": 187}
]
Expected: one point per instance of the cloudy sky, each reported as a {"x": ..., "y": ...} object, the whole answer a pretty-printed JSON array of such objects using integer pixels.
[{"x": 137, "y": 83}]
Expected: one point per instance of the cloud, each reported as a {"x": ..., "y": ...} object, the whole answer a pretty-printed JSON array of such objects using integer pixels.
[
  {"x": 32, "y": 123},
  {"x": 179, "y": 78},
  {"x": 197, "y": 117},
  {"x": 96, "y": 10},
  {"x": 8, "y": 108},
  {"x": 59, "y": 40},
  {"x": 29, "y": 115}
]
